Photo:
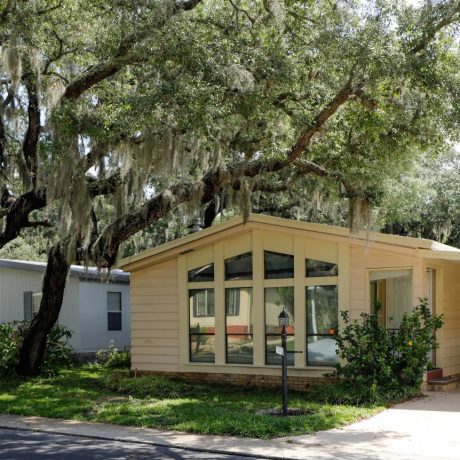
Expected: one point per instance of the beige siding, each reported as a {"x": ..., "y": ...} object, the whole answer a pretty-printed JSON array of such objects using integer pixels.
[
  {"x": 363, "y": 259},
  {"x": 449, "y": 339},
  {"x": 155, "y": 318}
]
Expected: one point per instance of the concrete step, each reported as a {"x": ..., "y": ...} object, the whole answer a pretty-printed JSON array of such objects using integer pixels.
[{"x": 442, "y": 384}]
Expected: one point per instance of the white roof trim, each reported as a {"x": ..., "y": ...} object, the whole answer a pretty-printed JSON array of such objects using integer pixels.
[
  {"x": 84, "y": 273},
  {"x": 257, "y": 219}
]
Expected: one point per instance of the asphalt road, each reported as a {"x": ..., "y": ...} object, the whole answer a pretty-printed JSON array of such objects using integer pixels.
[{"x": 29, "y": 445}]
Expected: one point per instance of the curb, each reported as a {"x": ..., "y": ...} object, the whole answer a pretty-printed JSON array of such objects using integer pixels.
[{"x": 150, "y": 443}]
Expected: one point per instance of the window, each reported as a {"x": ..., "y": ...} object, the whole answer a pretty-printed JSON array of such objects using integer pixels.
[
  {"x": 114, "y": 311},
  {"x": 202, "y": 325},
  {"x": 317, "y": 268},
  {"x": 205, "y": 273},
  {"x": 238, "y": 323},
  {"x": 391, "y": 291},
  {"x": 277, "y": 299},
  {"x": 232, "y": 302},
  {"x": 202, "y": 302},
  {"x": 239, "y": 267},
  {"x": 278, "y": 265},
  {"x": 322, "y": 321}
]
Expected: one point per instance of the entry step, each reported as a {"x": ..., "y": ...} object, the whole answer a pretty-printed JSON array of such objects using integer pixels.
[{"x": 442, "y": 384}]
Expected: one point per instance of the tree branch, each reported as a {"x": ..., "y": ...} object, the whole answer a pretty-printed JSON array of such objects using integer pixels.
[
  {"x": 17, "y": 216},
  {"x": 124, "y": 56},
  {"x": 449, "y": 12},
  {"x": 33, "y": 129},
  {"x": 106, "y": 247}
]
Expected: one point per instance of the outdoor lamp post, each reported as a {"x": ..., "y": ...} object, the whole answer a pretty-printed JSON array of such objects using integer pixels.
[{"x": 283, "y": 321}]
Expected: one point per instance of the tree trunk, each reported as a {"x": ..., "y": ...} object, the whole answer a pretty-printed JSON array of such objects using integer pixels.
[{"x": 33, "y": 348}]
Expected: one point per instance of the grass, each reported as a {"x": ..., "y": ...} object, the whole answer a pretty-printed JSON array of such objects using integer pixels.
[{"x": 92, "y": 393}]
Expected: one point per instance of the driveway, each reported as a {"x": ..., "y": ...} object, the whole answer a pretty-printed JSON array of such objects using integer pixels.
[{"x": 423, "y": 429}]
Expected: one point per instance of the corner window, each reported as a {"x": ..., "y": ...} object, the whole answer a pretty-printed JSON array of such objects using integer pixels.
[
  {"x": 114, "y": 311},
  {"x": 322, "y": 322},
  {"x": 277, "y": 299},
  {"x": 202, "y": 325},
  {"x": 200, "y": 274},
  {"x": 278, "y": 265},
  {"x": 239, "y": 267},
  {"x": 238, "y": 324},
  {"x": 318, "y": 268}
]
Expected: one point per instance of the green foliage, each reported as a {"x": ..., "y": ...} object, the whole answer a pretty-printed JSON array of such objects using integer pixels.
[
  {"x": 148, "y": 386},
  {"x": 389, "y": 360},
  {"x": 82, "y": 394},
  {"x": 113, "y": 357},
  {"x": 57, "y": 355}
]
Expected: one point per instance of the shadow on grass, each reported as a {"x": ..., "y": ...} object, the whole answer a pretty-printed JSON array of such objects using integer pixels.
[{"x": 80, "y": 394}]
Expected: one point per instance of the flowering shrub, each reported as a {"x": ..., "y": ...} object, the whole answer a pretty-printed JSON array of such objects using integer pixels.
[{"x": 376, "y": 358}]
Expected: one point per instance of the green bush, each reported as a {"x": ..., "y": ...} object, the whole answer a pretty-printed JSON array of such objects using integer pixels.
[
  {"x": 376, "y": 358},
  {"x": 58, "y": 354},
  {"x": 113, "y": 357}
]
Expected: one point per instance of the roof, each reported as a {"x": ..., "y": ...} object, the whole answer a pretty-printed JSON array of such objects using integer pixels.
[
  {"x": 423, "y": 247},
  {"x": 83, "y": 273}
]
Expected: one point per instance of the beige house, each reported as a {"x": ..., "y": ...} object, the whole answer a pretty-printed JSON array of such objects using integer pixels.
[{"x": 206, "y": 306}]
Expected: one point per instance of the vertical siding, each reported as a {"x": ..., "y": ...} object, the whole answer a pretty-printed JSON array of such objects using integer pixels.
[
  {"x": 93, "y": 316},
  {"x": 69, "y": 315},
  {"x": 363, "y": 258},
  {"x": 13, "y": 284},
  {"x": 155, "y": 318},
  {"x": 449, "y": 351}
]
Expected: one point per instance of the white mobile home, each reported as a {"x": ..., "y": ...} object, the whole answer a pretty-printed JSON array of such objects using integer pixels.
[{"x": 96, "y": 307}]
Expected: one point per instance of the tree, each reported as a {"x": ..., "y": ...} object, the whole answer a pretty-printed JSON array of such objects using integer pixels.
[{"x": 120, "y": 116}]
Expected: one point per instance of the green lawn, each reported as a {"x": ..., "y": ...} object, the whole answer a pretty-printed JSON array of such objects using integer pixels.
[{"x": 96, "y": 395}]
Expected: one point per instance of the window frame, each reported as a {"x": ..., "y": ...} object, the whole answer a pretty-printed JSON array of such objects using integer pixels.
[
  {"x": 307, "y": 334},
  {"x": 238, "y": 334},
  {"x": 114, "y": 312},
  {"x": 193, "y": 287}
]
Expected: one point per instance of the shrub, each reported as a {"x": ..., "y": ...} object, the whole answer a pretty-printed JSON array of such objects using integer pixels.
[
  {"x": 58, "y": 353},
  {"x": 112, "y": 357},
  {"x": 378, "y": 358}
]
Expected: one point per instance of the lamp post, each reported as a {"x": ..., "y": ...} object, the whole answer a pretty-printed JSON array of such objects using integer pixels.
[{"x": 283, "y": 321}]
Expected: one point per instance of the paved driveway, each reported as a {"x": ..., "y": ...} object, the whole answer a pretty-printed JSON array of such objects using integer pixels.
[
  {"x": 423, "y": 429},
  {"x": 426, "y": 428}
]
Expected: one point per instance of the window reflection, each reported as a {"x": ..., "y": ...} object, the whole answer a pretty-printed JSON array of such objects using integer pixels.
[
  {"x": 322, "y": 322},
  {"x": 239, "y": 325},
  {"x": 201, "y": 274},
  {"x": 277, "y": 299},
  {"x": 239, "y": 267},
  {"x": 320, "y": 268},
  {"x": 278, "y": 265},
  {"x": 202, "y": 325}
]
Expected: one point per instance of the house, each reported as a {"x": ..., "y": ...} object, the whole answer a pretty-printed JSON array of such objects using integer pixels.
[
  {"x": 206, "y": 306},
  {"x": 95, "y": 306}
]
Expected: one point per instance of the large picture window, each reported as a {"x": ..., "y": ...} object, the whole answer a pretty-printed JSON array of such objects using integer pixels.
[
  {"x": 277, "y": 299},
  {"x": 322, "y": 322},
  {"x": 239, "y": 325},
  {"x": 202, "y": 325}
]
